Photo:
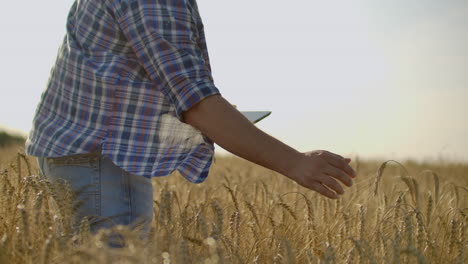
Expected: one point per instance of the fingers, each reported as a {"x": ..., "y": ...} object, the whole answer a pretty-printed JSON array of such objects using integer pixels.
[
  {"x": 331, "y": 183},
  {"x": 334, "y": 154},
  {"x": 340, "y": 163},
  {"x": 318, "y": 187},
  {"x": 329, "y": 170},
  {"x": 339, "y": 175}
]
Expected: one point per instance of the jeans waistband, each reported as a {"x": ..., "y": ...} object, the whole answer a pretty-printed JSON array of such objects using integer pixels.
[{"x": 76, "y": 158}]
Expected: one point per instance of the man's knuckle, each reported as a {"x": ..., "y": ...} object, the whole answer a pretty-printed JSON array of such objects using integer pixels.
[
  {"x": 323, "y": 164},
  {"x": 342, "y": 164}
]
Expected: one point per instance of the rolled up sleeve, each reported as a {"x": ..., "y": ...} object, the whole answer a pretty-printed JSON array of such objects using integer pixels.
[{"x": 166, "y": 41}]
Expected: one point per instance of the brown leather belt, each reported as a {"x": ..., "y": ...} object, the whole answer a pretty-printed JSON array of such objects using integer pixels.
[{"x": 76, "y": 158}]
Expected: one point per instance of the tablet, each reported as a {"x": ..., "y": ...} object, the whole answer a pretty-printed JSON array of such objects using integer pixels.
[{"x": 255, "y": 116}]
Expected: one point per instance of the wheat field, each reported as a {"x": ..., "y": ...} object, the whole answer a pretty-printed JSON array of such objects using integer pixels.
[{"x": 395, "y": 213}]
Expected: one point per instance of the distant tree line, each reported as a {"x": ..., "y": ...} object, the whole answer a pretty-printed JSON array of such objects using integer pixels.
[{"x": 7, "y": 139}]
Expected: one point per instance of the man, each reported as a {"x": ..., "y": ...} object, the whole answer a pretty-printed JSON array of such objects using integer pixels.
[{"x": 131, "y": 97}]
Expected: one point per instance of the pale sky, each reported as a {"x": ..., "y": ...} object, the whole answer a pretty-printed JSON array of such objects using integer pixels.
[{"x": 386, "y": 79}]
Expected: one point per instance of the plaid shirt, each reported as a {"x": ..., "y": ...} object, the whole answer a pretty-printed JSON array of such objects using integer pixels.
[{"x": 124, "y": 74}]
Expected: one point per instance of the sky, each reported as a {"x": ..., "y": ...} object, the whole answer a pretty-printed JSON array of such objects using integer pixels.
[{"x": 369, "y": 78}]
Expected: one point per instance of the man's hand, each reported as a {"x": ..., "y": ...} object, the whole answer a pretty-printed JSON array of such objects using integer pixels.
[
  {"x": 322, "y": 171},
  {"x": 319, "y": 170}
]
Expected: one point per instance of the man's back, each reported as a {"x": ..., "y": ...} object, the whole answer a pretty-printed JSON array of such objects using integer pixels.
[{"x": 124, "y": 73}]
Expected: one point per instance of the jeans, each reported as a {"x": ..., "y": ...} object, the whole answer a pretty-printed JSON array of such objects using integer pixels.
[{"x": 103, "y": 193}]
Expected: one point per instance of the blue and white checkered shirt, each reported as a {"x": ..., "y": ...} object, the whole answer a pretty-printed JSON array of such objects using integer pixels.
[{"x": 125, "y": 73}]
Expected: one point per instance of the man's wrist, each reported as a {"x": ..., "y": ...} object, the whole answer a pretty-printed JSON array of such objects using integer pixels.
[{"x": 289, "y": 161}]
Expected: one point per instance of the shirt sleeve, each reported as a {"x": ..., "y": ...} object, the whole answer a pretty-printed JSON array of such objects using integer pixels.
[{"x": 165, "y": 38}]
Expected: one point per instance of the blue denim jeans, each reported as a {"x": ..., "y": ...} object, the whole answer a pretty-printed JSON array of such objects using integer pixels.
[{"x": 103, "y": 193}]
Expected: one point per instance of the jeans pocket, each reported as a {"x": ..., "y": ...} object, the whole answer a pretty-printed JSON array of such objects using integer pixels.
[
  {"x": 83, "y": 180},
  {"x": 82, "y": 177}
]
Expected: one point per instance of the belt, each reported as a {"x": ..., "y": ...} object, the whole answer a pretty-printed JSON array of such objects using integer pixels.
[{"x": 76, "y": 158}]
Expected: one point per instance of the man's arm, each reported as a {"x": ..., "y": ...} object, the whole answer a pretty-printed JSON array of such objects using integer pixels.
[{"x": 221, "y": 122}]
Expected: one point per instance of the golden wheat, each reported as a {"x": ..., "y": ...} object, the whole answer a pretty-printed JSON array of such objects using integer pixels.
[{"x": 247, "y": 214}]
